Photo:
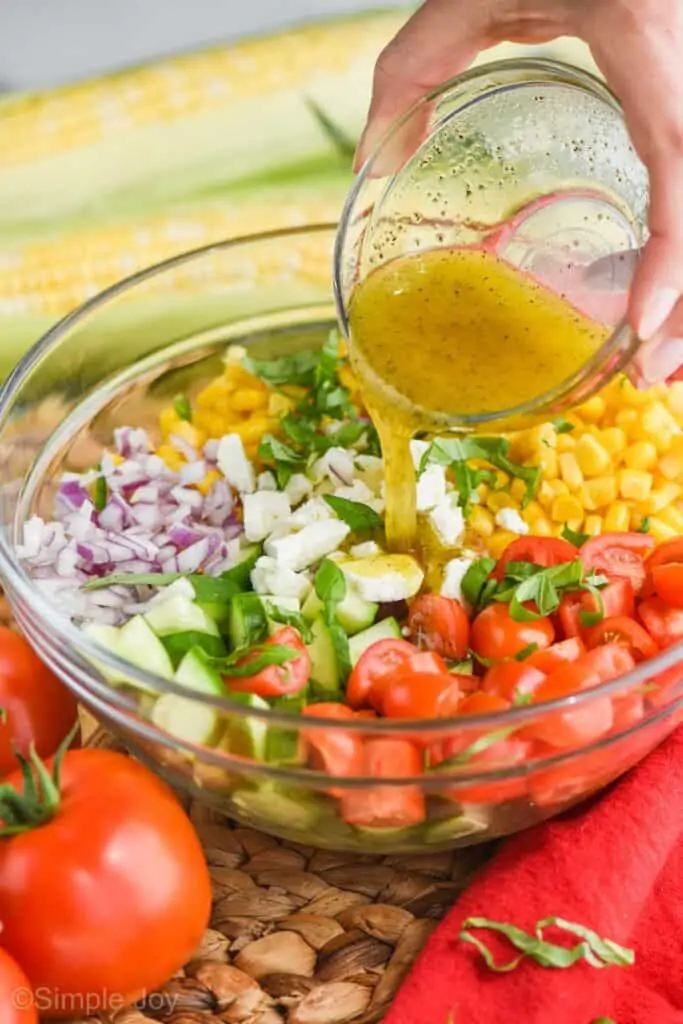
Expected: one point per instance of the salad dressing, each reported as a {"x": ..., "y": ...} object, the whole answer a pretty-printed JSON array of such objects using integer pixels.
[{"x": 449, "y": 333}]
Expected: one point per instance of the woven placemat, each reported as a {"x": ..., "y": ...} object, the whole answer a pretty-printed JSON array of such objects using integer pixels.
[{"x": 301, "y": 935}]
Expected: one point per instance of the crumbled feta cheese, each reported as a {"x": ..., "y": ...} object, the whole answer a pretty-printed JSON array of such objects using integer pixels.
[
  {"x": 370, "y": 469},
  {"x": 298, "y": 551},
  {"x": 358, "y": 491},
  {"x": 315, "y": 510},
  {"x": 267, "y": 577},
  {"x": 263, "y": 512},
  {"x": 234, "y": 464},
  {"x": 385, "y": 577},
  {"x": 431, "y": 488},
  {"x": 365, "y": 550},
  {"x": 447, "y": 520},
  {"x": 298, "y": 487},
  {"x": 266, "y": 482},
  {"x": 453, "y": 575},
  {"x": 510, "y": 519},
  {"x": 335, "y": 465},
  {"x": 418, "y": 450}
]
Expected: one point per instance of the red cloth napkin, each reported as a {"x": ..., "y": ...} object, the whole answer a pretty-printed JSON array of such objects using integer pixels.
[{"x": 615, "y": 866}]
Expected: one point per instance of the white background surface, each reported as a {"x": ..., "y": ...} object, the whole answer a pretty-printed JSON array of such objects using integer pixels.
[{"x": 48, "y": 41}]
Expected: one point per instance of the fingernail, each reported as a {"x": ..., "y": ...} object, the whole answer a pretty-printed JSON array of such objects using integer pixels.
[
  {"x": 658, "y": 362},
  {"x": 658, "y": 309}
]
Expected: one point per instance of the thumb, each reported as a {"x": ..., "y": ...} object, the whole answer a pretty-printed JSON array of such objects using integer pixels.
[{"x": 438, "y": 42}]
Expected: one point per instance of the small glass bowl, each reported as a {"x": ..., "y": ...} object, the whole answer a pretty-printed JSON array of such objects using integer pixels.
[
  {"x": 117, "y": 361},
  {"x": 530, "y": 159}
]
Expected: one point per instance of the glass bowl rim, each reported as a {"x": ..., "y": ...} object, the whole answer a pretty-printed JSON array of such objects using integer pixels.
[
  {"x": 575, "y": 76},
  {"x": 76, "y": 641}
]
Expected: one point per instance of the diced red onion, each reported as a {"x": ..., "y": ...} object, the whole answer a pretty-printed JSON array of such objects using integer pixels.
[
  {"x": 191, "y": 558},
  {"x": 183, "y": 447},
  {"x": 186, "y": 496},
  {"x": 192, "y": 472},
  {"x": 211, "y": 450}
]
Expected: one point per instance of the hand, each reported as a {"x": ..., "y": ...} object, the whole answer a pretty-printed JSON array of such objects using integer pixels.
[{"x": 637, "y": 44}]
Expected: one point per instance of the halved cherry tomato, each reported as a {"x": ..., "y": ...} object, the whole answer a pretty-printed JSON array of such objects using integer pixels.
[
  {"x": 576, "y": 726},
  {"x": 623, "y": 631},
  {"x": 667, "y": 553},
  {"x": 496, "y": 635},
  {"x": 617, "y": 598},
  {"x": 336, "y": 752},
  {"x": 620, "y": 555},
  {"x": 609, "y": 661},
  {"x": 667, "y": 581},
  {"x": 277, "y": 680},
  {"x": 410, "y": 694},
  {"x": 376, "y": 661},
  {"x": 387, "y": 806},
  {"x": 663, "y": 623},
  {"x": 545, "y": 551},
  {"x": 628, "y": 711},
  {"x": 668, "y": 686},
  {"x": 512, "y": 680},
  {"x": 558, "y": 654},
  {"x": 439, "y": 624},
  {"x": 560, "y": 785}
]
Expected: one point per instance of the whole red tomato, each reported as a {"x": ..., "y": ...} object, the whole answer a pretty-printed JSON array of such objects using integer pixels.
[
  {"x": 17, "y": 1001},
  {"x": 36, "y": 707},
  {"x": 110, "y": 895}
]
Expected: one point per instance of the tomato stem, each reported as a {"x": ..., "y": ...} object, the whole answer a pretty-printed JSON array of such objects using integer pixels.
[{"x": 40, "y": 797}]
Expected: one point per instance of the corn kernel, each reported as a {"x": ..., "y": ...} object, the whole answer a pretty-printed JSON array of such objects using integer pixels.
[
  {"x": 641, "y": 455},
  {"x": 214, "y": 393},
  {"x": 252, "y": 430},
  {"x": 547, "y": 461},
  {"x": 502, "y": 479},
  {"x": 168, "y": 420},
  {"x": 481, "y": 521},
  {"x": 627, "y": 419},
  {"x": 671, "y": 464},
  {"x": 674, "y": 399},
  {"x": 249, "y": 400},
  {"x": 660, "y": 498},
  {"x": 673, "y": 517},
  {"x": 545, "y": 494},
  {"x": 660, "y": 531},
  {"x": 570, "y": 470},
  {"x": 190, "y": 433},
  {"x": 498, "y": 500},
  {"x": 634, "y": 484},
  {"x": 518, "y": 490},
  {"x": 499, "y": 541},
  {"x": 592, "y": 525},
  {"x": 483, "y": 493},
  {"x": 600, "y": 491},
  {"x": 237, "y": 377},
  {"x": 171, "y": 457},
  {"x": 279, "y": 404},
  {"x": 209, "y": 480},
  {"x": 564, "y": 508},
  {"x": 592, "y": 410},
  {"x": 613, "y": 440},
  {"x": 542, "y": 528},
  {"x": 592, "y": 458},
  {"x": 565, "y": 443},
  {"x": 532, "y": 512},
  {"x": 558, "y": 487},
  {"x": 617, "y": 518},
  {"x": 656, "y": 420}
]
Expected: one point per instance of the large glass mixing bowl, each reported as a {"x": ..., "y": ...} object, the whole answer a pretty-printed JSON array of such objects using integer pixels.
[{"x": 115, "y": 362}]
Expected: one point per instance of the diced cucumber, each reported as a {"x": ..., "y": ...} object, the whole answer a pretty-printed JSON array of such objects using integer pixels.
[
  {"x": 138, "y": 644},
  {"x": 178, "y": 644},
  {"x": 247, "y": 623},
  {"x": 240, "y": 574},
  {"x": 219, "y": 611},
  {"x": 273, "y": 805},
  {"x": 180, "y": 615},
  {"x": 247, "y": 737},
  {"x": 353, "y": 613},
  {"x": 284, "y": 745},
  {"x": 380, "y": 838},
  {"x": 456, "y": 827},
  {"x": 387, "y": 629},
  {"x": 189, "y": 720},
  {"x": 325, "y": 675},
  {"x": 195, "y": 673}
]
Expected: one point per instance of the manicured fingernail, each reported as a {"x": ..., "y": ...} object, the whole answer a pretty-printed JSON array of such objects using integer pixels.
[
  {"x": 658, "y": 362},
  {"x": 658, "y": 309}
]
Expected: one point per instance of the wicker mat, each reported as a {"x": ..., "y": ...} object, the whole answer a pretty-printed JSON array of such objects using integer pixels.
[{"x": 302, "y": 935}]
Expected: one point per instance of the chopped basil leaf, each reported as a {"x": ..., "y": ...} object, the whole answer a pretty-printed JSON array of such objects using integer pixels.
[
  {"x": 526, "y": 653},
  {"x": 461, "y": 668},
  {"x": 259, "y": 658},
  {"x": 178, "y": 644},
  {"x": 354, "y": 513},
  {"x": 182, "y": 407},
  {"x": 101, "y": 494},
  {"x": 587, "y": 618},
  {"x": 298, "y": 369},
  {"x": 287, "y": 618},
  {"x": 592, "y": 949},
  {"x": 563, "y": 426},
  {"x": 330, "y": 583},
  {"x": 520, "y": 699},
  {"x": 577, "y": 539},
  {"x": 455, "y": 453},
  {"x": 475, "y": 579},
  {"x": 644, "y": 525}
]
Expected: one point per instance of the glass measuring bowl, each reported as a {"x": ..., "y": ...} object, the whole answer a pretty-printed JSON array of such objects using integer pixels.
[{"x": 530, "y": 160}]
